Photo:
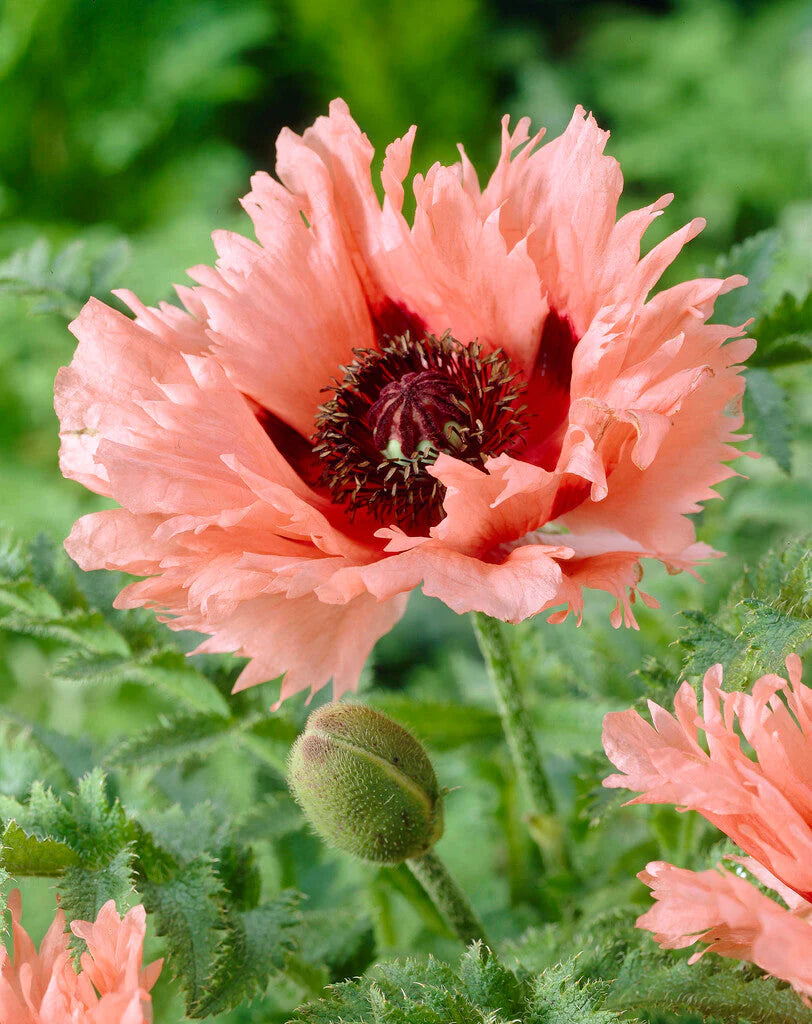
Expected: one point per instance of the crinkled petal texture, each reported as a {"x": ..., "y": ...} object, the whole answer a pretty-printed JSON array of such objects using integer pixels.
[
  {"x": 200, "y": 423},
  {"x": 41, "y": 987},
  {"x": 733, "y": 917},
  {"x": 764, "y": 805}
]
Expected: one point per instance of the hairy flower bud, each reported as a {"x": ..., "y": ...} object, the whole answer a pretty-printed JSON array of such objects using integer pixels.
[{"x": 366, "y": 784}]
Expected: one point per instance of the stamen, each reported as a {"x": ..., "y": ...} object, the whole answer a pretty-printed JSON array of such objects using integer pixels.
[{"x": 398, "y": 408}]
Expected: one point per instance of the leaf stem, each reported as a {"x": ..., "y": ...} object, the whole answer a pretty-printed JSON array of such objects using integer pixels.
[
  {"x": 448, "y": 897},
  {"x": 515, "y": 719}
]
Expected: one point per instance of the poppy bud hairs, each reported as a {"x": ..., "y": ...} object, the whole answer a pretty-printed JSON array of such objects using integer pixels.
[
  {"x": 485, "y": 401},
  {"x": 367, "y": 787}
]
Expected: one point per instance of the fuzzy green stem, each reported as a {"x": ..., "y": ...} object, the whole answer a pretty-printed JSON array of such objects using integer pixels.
[
  {"x": 515, "y": 719},
  {"x": 448, "y": 897}
]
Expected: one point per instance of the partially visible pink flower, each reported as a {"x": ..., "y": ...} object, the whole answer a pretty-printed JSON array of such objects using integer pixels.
[
  {"x": 733, "y": 917},
  {"x": 487, "y": 402},
  {"x": 764, "y": 803},
  {"x": 41, "y": 987}
]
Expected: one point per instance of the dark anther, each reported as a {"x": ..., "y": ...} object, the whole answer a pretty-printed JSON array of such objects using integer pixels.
[{"x": 398, "y": 408}]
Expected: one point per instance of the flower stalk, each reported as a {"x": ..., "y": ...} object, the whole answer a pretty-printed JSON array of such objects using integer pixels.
[
  {"x": 515, "y": 719},
  {"x": 448, "y": 897}
]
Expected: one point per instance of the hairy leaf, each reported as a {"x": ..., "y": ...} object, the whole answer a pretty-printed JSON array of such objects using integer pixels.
[
  {"x": 767, "y": 616},
  {"x": 171, "y": 741},
  {"x": 22, "y": 854},
  {"x": 84, "y": 890},
  {"x": 714, "y": 988},
  {"x": 165, "y": 669},
  {"x": 254, "y": 948},
  {"x": 481, "y": 990},
  {"x": 72, "y": 756},
  {"x": 189, "y": 910}
]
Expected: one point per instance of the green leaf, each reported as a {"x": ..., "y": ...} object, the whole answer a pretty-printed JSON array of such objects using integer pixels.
[
  {"x": 73, "y": 757},
  {"x": 440, "y": 725},
  {"x": 61, "y": 282},
  {"x": 756, "y": 258},
  {"x": 558, "y": 998},
  {"x": 480, "y": 991},
  {"x": 30, "y": 610},
  {"x": 85, "y": 821},
  {"x": 784, "y": 335},
  {"x": 85, "y": 890},
  {"x": 715, "y": 988},
  {"x": 173, "y": 740},
  {"x": 24, "y": 855},
  {"x": 766, "y": 415},
  {"x": 190, "y": 912},
  {"x": 705, "y": 643},
  {"x": 767, "y": 616},
  {"x": 255, "y": 947},
  {"x": 166, "y": 669},
  {"x": 490, "y": 984}
]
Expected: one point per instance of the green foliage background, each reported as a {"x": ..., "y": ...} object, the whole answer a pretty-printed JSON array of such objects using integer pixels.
[{"x": 127, "y": 132}]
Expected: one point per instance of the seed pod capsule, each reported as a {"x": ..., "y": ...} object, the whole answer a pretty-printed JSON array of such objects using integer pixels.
[{"x": 366, "y": 784}]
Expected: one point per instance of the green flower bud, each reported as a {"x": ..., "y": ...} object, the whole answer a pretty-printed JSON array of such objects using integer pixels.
[{"x": 366, "y": 784}]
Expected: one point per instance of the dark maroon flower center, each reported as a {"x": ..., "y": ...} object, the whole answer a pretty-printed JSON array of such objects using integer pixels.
[
  {"x": 416, "y": 413},
  {"x": 398, "y": 408}
]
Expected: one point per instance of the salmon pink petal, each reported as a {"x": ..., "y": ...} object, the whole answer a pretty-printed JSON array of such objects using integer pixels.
[
  {"x": 524, "y": 582},
  {"x": 307, "y": 640},
  {"x": 563, "y": 197},
  {"x": 286, "y": 314},
  {"x": 761, "y": 802},
  {"x": 732, "y": 917},
  {"x": 43, "y": 988}
]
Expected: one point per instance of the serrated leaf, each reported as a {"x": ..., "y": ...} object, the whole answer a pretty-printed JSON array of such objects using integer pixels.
[
  {"x": 770, "y": 634},
  {"x": 766, "y": 415},
  {"x": 705, "y": 643},
  {"x": 187, "y": 837},
  {"x": 165, "y": 669},
  {"x": 714, "y": 988},
  {"x": 84, "y": 890},
  {"x": 767, "y": 617},
  {"x": 559, "y": 998},
  {"x": 23, "y": 854},
  {"x": 489, "y": 984},
  {"x": 173, "y": 740},
  {"x": 756, "y": 258},
  {"x": 61, "y": 282},
  {"x": 28, "y": 609},
  {"x": 784, "y": 335},
  {"x": 97, "y": 828},
  {"x": 189, "y": 911},
  {"x": 481, "y": 991},
  {"x": 255, "y": 947}
]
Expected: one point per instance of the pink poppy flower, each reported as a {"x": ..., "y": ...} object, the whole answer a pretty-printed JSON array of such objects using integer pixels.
[
  {"x": 764, "y": 804},
  {"x": 111, "y": 987},
  {"x": 486, "y": 402},
  {"x": 734, "y": 918}
]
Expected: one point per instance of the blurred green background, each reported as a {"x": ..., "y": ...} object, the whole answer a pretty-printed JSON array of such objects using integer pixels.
[{"x": 133, "y": 128}]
